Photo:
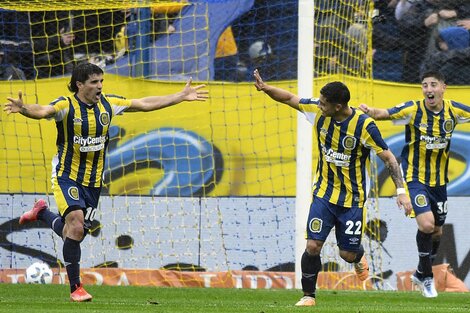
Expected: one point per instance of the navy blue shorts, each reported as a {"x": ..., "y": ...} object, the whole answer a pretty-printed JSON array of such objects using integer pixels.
[
  {"x": 425, "y": 199},
  {"x": 348, "y": 223},
  {"x": 68, "y": 193}
]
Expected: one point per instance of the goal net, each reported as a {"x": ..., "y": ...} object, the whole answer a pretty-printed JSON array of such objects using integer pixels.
[{"x": 195, "y": 188}]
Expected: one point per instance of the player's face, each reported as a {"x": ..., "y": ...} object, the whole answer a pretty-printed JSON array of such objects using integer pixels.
[
  {"x": 433, "y": 92},
  {"x": 90, "y": 91},
  {"x": 327, "y": 108}
]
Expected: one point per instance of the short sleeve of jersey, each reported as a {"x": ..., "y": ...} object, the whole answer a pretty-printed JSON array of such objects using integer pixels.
[
  {"x": 61, "y": 107},
  {"x": 118, "y": 103},
  {"x": 461, "y": 112},
  {"x": 309, "y": 107},
  {"x": 401, "y": 114},
  {"x": 373, "y": 139}
]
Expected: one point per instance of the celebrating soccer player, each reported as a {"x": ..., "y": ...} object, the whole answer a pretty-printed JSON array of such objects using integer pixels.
[
  {"x": 83, "y": 119},
  {"x": 346, "y": 137},
  {"x": 430, "y": 123}
]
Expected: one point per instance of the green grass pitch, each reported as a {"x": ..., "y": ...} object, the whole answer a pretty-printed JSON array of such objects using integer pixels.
[{"x": 54, "y": 298}]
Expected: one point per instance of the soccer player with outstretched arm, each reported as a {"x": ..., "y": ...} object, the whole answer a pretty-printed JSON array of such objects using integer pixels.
[
  {"x": 429, "y": 124},
  {"x": 83, "y": 119},
  {"x": 345, "y": 138}
]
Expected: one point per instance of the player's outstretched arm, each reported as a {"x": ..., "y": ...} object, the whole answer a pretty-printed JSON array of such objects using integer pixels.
[
  {"x": 276, "y": 93},
  {"x": 403, "y": 200},
  {"x": 153, "y": 103},
  {"x": 376, "y": 114},
  {"x": 35, "y": 111}
]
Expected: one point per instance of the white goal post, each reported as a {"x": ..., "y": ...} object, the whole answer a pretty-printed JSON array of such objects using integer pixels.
[{"x": 304, "y": 131}]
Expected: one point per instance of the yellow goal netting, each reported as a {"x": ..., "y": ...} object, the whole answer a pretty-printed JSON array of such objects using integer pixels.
[{"x": 199, "y": 187}]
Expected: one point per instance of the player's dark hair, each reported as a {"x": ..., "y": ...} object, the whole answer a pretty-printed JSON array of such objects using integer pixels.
[
  {"x": 81, "y": 73},
  {"x": 436, "y": 74},
  {"x": 336, "y": 92}
]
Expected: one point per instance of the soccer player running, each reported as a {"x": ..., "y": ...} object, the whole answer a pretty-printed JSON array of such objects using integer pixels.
[
  {"x": 83, "y": 119},
  {"x": 430, "y": 123},
  {"x": 346, "y": 137}
]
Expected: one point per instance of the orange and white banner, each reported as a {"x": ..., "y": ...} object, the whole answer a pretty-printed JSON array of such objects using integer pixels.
[{"x": 169, "y": 278}]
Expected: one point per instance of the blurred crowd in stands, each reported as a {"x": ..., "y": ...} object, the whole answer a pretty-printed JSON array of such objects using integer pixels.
[
  {"x": 46, "y": 43},
  {"x": 408, "y": 38},
  {"x": 414, "y": 36},
  {"x": 42, "y": 44}
]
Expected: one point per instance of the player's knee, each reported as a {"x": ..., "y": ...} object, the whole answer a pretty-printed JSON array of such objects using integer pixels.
[
  {"x": 348, "y": 256},
  {"x": 313, "y": 247},
  {"x": 427, "y": 228},
  {"x": 76, "y": 232},
  {"x": 74, "y": 223},
  {"x": 74, "y": 229}
]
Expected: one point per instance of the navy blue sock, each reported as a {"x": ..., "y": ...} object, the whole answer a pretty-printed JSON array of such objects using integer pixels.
[
  {"x": 311, "y": 265},
  {"x": 72, "y": 254},
  {"x": 435, "y": 248},
  {"x": 424, "y": 243},
  {"x": 53, "y": 220}
]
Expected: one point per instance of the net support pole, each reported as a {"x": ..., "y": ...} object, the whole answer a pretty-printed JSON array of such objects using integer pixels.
[{"x": 304, "y": 132}]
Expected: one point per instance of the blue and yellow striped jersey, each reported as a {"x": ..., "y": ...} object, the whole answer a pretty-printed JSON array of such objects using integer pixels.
[
  {"x": 425, "y": 157},
  {"x": 342, "y": 175},
  {"x": 82, "y": 137}
]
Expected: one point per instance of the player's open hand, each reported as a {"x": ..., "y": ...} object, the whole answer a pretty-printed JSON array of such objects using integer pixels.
[
  {"x": 194, "y": 93},
  {"x": 403, "y": 201},
  {"x": 15, "y": 105},
  {"x": 259, "y": 83}
]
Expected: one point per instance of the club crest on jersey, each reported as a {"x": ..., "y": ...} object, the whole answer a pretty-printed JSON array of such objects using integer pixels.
[
  {"x": 315, "y": 225},
  {"x": 73, "y": 193},
  {"x": 349, "y": 142},
  {"x": 77, "y": 121},
  {"x": 104, "y": 118},
  {"x": 420, "y": 200},
  {"x": 448, "y": 126}
]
